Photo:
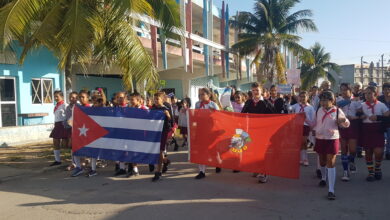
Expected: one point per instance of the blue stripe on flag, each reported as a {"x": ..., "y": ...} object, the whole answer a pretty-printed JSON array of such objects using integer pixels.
[
  {"x": 136, "y": 135},
  {"x": 118, "y": 155},
  {"x": 126, "y": 112}
]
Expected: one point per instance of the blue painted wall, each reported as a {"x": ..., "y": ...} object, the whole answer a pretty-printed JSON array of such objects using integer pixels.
[
  {"x": 89, "y": 83},
  {"x": 38, "y": 64}
]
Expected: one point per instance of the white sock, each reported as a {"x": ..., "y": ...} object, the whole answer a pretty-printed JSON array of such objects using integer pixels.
[
  {"x": 57, "y": 155},
  {"x": 202, "y": 168},
  {"x": 135, "y": 169},
  {"x": 77, "y": 161},
  {"x": 331, "y": 178},
  {"x": 318, "y": 162},
  {"x": 305, "y": 157},
  {"x": 93, "y": 163},
  {"x": 122, "y": 165},
  {"x": 323, "y": 173}
]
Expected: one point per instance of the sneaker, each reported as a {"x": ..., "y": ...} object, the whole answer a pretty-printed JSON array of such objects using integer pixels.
[
  {"x": 151, "y": 168},
  {"x": 388, "y": 156},
  {"x": 77, "y": 172},
  {"x": 92, "y": 173},
  {"x": 157, "y": 177},
  {"x": 201, "y": 175},
  {"x": 318, "y": 173},
  {"x": 120, "y": 172},
  {"x": 218, "y": 170},
  {"x": 345, "y": 177},
  {"x": 262, "y": 178},
  {"x": 55, "y": 163},
  {"x": 305, "y": 163},
  {"x": 331, "y": 196},
  {"x": 370, "y": 178},
  {"x": 352, "y": 168},
  {"x": 322, "y": 183},
  {"x": 132, "y": 173},
  {"x": 378, "y": 175},
  {"x": 165, "y": 166}
]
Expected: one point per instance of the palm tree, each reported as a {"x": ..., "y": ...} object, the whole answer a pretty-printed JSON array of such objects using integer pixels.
[
  {"x": 265, "y": 32},
  {"x": 87, "y": 32},
  {"x": 317, "y": 66}
]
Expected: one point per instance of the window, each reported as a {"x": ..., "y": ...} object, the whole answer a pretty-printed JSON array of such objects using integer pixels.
[
  {"x": 42, "y": 91},
  {"x": 7, "y": 102}
]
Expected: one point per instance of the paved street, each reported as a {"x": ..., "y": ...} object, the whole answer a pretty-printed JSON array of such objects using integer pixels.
[{"x": 55, "y": 195}]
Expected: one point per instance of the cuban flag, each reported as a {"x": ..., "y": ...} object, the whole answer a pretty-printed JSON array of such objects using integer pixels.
[{"x": 118, "y": 134}]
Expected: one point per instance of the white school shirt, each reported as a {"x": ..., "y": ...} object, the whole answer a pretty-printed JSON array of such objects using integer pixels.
[
  {"x": 315, "y": 102},
  {"x": 379, "y": 109},
  {"x": 308, "y": 110},
  {"x": 352, "y": 108},
  {"x": 326, "y": 127},
  {"x": 59, "y": 114},
  {"x": 210, "y": 105}
]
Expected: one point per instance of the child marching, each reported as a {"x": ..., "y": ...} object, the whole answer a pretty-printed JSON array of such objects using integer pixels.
[
  {"x": 204, "y": 103},
  {"x": 349, "y": 136},
  {"x": 59, "y": 134},
  {"x": 328, "y": 119},
  {"x": 183, "y": 123},
  {"x": 373, "y": 138},
  {"x": 304, "y": 107}
]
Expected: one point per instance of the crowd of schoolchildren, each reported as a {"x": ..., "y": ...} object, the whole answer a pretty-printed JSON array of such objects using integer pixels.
[{"x": 349, "y": 122}]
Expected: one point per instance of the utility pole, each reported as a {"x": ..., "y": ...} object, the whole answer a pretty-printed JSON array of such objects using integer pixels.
[{"x": 383, "y": 68}]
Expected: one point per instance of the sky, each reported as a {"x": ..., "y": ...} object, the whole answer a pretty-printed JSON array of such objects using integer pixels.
[{"x": 348, "y": 29}]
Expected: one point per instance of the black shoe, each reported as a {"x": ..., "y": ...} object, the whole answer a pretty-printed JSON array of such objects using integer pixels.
[
  {"x": 236, "y": 171},
  {"x": 370, "y": 178},
  {"x": 201, "y": 175},
  {"x": 218, "y": 170},
  {"x": 378, "y": 175},
  {"x": 157, "y": 177},
  {"x": 359, "y": 154},
  {"x": 120, "y": 172},
  {"x": 388, "y": 156},
  {"x": 319, "y": 174},
  {"x": 151, "y": 168},
  {"x": 55, "y": 163},
  {"x": 165, "y": 166},
  {"x": 331, "y": 196},
  {"x": 322, "y": 183}
]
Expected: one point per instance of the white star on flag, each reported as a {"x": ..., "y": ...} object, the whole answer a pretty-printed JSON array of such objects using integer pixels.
[{"x": 83, "y": 131}]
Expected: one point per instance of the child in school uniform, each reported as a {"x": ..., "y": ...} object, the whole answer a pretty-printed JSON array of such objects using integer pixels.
[
  {"x": 68, "y": 124},
  {"x": 385, "y": 99},
  {"x": 84, "y": 101},
  {"x": 160, "y": 106},
  {"x": 349, "y": 136},
  {"x": 205, "y": 103},
  {"x": 135, "y": 102},
  {"x": 59, "y": 134},
  {"x": 239, "y": 102},
  {"x": 183, "y": 123},
  {"x": 304, "y": 107},
  {"x": 258, "y": 105},
  {"x": 373, "y": 133},
  {"x": 328, "y": 118}
]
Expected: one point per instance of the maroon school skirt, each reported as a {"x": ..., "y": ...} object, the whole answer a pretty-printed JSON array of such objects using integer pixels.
[
  {"x": 59, "y": 131},
  {"x": 327, "y": 146},
  {"x": 373, "y": 135},
  {"x": 183, "y": 130},
  {"x": 352, "y": 132},
  {"x": 306, "y": 131}
]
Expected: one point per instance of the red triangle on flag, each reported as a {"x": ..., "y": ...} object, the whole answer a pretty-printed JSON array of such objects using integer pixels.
[{"x": 85, "y": 130}]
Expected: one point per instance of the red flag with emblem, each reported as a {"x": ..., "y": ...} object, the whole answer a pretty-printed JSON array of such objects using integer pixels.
[{"x": 247, "y": 142}]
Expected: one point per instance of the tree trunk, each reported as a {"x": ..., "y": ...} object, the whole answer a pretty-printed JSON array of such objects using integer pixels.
[{"x": 68, "y": 73}]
